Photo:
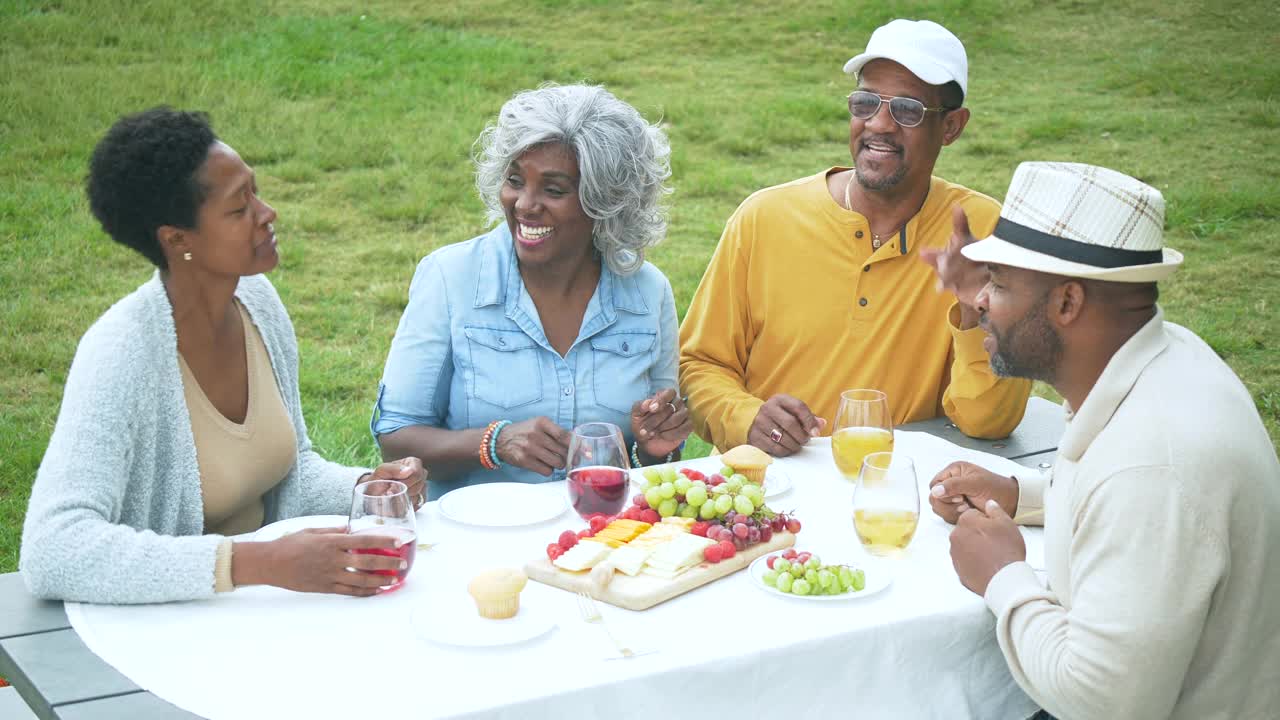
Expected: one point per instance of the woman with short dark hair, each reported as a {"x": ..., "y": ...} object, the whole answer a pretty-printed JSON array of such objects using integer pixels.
[{"x": 181, "y": 423}]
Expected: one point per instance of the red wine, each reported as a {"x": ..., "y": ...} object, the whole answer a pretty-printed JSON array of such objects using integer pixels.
[
  {"x": 597, "y": 490},
  {"x": 406, "y": 552}
]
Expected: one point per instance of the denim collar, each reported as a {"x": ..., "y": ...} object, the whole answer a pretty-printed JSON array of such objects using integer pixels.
[{"x": 500, "y": 284}]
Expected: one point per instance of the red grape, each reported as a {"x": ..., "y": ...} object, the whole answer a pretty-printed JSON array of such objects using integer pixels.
[
  {"x": 715, "y": 480},
  {"x": 803, "y": 558},
  {"x": 766, "y": 533},
  {"x": 753, "y": 535},
  {"x": 740, "y": 530},
  {"x": 568, "y": 539},
  {"x": 789, "y": 553},
  {"x": 778, "y": 523},
  {"x": 640, "y": 502},
  {"x": 793, "y": 525},
  {"x": 772, "y": 559}
]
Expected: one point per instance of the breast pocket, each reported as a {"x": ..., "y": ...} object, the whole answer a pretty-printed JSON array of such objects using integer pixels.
[
  {"x": 621, "y": 364},
  {"x": 505, "y": 365}
]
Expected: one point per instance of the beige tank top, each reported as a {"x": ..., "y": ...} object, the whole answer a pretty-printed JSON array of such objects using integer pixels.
[{"x": 239, "y": 463}]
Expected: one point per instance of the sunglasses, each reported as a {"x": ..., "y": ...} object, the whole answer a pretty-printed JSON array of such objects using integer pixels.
[{"x": 907, "y": 112}]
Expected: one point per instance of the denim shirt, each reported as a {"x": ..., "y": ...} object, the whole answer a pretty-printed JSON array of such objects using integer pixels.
[{"x": 470, "y": 349}]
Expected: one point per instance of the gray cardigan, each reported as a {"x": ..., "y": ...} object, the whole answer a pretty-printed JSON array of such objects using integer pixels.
[{"x": 116, "y": 511}]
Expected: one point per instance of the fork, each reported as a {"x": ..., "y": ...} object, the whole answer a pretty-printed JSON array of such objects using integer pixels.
[{"x": 591, "y": 614}]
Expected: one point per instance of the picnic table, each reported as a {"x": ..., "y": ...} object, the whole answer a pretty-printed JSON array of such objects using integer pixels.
[{"x": 58, "y": 676}]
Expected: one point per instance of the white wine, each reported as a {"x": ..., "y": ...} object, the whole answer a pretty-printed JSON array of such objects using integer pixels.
[
  {"x": 885, "y": 532},
  {"x": 850, "y": 446}
]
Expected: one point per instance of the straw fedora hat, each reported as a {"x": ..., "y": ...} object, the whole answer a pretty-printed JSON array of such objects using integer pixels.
[{"x": 1080, "y": 221}]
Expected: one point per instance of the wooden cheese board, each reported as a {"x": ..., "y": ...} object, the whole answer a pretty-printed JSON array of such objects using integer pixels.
[{"x": 644, "y": 591}]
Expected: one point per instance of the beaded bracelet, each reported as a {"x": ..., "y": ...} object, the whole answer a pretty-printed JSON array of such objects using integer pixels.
[
  {"x": 493, "y": 443},
  {"x": 486, "y": 461},
  {"x": 635, "y": 455}
]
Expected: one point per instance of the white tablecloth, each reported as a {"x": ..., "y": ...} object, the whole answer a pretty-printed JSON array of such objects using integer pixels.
[{"x": 923, "y": 648}]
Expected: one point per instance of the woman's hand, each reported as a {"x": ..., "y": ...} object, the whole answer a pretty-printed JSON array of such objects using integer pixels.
[
  {"x": 537, "y": 444},
  {"x": 323, "y": 560},
  {"x": 408, "y": 471},
  {"x": 660, "y": 423}
]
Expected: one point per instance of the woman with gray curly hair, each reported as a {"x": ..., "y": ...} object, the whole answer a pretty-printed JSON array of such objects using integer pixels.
[{"x": 553, "y": 318}]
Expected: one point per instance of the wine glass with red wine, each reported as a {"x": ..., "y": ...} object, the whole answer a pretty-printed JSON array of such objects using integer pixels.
[
  {"x": 383, "y": 507},
  {"x": 597, "y": 470}
]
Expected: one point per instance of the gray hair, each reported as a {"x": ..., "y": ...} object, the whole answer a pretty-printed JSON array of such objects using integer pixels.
[{"x": 622, "y": 163}]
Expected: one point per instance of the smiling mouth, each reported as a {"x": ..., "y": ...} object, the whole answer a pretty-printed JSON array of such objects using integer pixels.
[
  {"x": 533, "y": 234},
  {"x": 880, "y": 147}
]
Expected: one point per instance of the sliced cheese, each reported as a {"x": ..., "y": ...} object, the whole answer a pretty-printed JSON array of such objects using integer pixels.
[
  {"x": 680, "y": 552},
  {"x": 629, "y": 559},
  {"x": 583, "y": 556}
]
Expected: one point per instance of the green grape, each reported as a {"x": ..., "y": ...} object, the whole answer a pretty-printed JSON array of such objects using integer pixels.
[
  {"x": 734, "y": 483},
  {"x": 813, "y": 563},
  {"x": 845, "y": 576},
  {"x": 653, "y": 496},
  {"x": 707, "y": 511},
  {"x": 782, "y": 564},
  {"x": 784, "y": 582},
  {"x": 651, "y": 477},
  {"x": 755, "y": 496},
  {"x": 720, "y": 489},
  {"x": 826, "y": 578},
  {"x": 668, "y": 474},
  {"x": 742, "y": 479},
  {"x": 697, "y": 495},
  {"x": 667, "y": 507},
  {"x": 687, "y": 511},
  {"x": 796, "y": 570},
  {"x": 682, "y": 485},
  {"x": 859, "y": 580},
  {"x": 727, "y": 472},
  {"x": 743, "y": 505},
  {"x": 667, "y": 490},
  {"x": 800, "y": 587},
  {"x": 770, "y": 578},
  {"x": 724, "y": 504},
  {"x": 811, "y": 575}
]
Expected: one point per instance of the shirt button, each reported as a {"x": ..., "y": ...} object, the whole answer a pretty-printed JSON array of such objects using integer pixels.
[
  {"x": 862, "y": 302},
  {"x": 866, "y": 268},
  {"x": 858, "y": 234},
  {"x": 626, "y": 347},
  {"x": 568, "y": 390}
]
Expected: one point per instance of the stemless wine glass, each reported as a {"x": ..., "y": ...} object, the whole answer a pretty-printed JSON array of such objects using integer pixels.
[
  {"x": 597, "y": 469},
  {"x": 863, "y": 425},
  {"x": 383, "y": 507},
  {"x": 886, "y": 503}
]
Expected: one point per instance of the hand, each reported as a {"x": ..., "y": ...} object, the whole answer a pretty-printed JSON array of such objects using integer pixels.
[
  {"x": 956, "y": 272},
  {"x": 983, "y": 542},
  {"x": 408, "y": 471},
  {"x": 660, "y": 423},
  {"x": 783, "y": 425},
  {"x": 963, "y": 485},
  {"x": 320, "y": 560},
  {"x": 536, "y": 444}
]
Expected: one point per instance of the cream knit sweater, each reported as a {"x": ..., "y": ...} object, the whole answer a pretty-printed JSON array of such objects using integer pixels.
[{"x": 1162, "y": 546}]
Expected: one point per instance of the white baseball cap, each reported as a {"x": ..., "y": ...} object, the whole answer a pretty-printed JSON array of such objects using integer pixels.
[{"x": 930, "y": 51}]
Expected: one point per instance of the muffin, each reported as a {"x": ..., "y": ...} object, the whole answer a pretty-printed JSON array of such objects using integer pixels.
[
  {"x": 748, "y": 460},
  {"x": 497, "y": 592}
]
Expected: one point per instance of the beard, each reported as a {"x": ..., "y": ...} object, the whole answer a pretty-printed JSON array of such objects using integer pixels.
[
  {"x": 882, "y": 182},
  {"x": 1030, "y": 348}
]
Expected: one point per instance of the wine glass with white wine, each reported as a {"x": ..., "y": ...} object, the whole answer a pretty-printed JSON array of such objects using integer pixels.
[
  {"x": 886, "y": 503},
  {"x": 863, "y": 425}
]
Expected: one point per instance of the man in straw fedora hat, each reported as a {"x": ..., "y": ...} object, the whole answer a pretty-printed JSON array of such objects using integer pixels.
[
  {"x": 772, "y": 336},
  {"x": 1162, "y": 514}
]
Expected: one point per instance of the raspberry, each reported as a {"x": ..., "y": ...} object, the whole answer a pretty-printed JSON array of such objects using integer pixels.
[
  {"x": 713, "y": 553},
  {"x": 568, "y": 539},
  {"x": 650, "y": 516},
  {"x": 598, "y": 523},
  {"x": 693, "y": 475},
  {"x": 554, "y": 551},
  {"x": 728, "y": 549},
  {"x": 582, "y": 533},
  {"x": 700, "y": 528}
]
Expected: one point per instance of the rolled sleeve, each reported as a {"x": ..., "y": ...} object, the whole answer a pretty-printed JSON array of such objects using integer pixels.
[{"x": 415, "y": 382}]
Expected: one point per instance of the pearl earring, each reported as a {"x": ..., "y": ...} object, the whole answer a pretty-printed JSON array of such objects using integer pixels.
[{"x": 186, "y": 256}]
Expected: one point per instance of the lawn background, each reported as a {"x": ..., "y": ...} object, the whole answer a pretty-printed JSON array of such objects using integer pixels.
[{"x": 359, "y": 120}]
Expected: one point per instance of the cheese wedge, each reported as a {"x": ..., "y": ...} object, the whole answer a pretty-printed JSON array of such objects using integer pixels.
[{"x": 583, "y": 556}]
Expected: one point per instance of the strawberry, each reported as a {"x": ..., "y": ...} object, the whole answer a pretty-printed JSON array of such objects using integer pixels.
[{"x": 568, "y": 539}]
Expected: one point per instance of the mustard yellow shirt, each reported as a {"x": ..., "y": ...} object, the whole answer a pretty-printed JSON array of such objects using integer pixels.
[{"x": 796, "y": 301}]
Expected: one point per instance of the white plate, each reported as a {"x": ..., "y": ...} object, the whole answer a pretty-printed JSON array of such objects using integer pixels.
[
  {"x": 878, "y": 578},
  {"x": 776, "y": 480},
  {"x": 453, "y": 620},
  {"x": 504, "y": 504},
  {"x": 279, "y": 529}
]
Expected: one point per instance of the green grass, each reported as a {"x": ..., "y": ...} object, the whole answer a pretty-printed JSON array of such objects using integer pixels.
[{"x": 359, "y": 119}]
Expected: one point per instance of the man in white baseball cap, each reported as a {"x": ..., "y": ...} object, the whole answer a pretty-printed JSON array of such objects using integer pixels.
[
  {"x": 1162, "y": 514},
  {"x": 772, "y": 337}
]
